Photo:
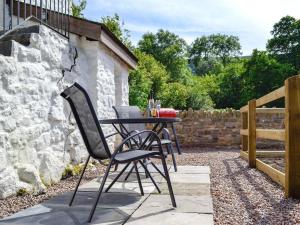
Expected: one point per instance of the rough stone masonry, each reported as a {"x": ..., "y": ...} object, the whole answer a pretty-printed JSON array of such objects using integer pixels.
[{"x": 38, "y": 137}]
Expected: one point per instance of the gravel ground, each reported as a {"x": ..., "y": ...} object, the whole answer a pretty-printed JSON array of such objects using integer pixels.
[
  {"x": 240, "y": 195},
  {"x": 277, "y": 163}
]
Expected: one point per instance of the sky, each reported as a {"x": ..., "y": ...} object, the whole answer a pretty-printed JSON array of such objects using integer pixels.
[{"x": 250, "y": 20}]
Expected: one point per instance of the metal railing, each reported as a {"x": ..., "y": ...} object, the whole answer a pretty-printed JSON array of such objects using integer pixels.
[{"x": 54, "y": 13}]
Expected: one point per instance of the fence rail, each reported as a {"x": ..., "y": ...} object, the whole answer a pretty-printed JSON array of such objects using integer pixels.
[
  {"x": 290, "y": 180},
  {"x": 54, "y": 13}
]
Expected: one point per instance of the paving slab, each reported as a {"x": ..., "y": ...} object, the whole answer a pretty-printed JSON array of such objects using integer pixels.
[
  {"x": 68, "y": 216},
  {"x": 141, "y": 169},
  {"x": 124, "y": 204},
  {"x": 187, "y": 189},
  {"x": 124, "y": 187},
  {"x": 192, "y": 169},
  {"x": 107, "y": 200},
  {"x": 184, "y": 178},
  {"x": 158, "y": 210},
  {"x": 185, "y": 204}
]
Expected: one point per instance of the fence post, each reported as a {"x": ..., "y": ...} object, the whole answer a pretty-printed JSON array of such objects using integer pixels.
[
  {"x": 292, "y": 132},
  {"x": 244, "y": 127},
  {"x": 252, "y": 133}
]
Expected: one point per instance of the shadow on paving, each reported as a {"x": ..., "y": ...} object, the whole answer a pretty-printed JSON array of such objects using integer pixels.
[{"x": 114, "y": 208}]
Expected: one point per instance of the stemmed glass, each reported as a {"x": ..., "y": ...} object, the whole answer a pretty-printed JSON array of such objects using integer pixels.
[{"x": 157, "y": 104}]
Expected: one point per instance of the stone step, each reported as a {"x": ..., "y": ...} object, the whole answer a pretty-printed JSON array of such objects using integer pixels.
[
  {"x": 5, "y": 48},
  {"x": 26, "y": 30},
  {"x": 21, "y": 35},
  {"x": 23, "y": 39}
]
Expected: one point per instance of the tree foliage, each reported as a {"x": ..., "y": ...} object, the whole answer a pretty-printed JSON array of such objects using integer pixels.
[
  {"x": 149, "y": 77},
  {"x": 77, "y": 9},
  {"x": 174, "y": 95},
  {"x": 285, "y": 43},
  {"x": 263, "y": 74},
  {"x": 114, "y": 24},
  {"x": 170, "y": 50},
  {"x": 230, "y": 86},
  {"x": 209, "y": 53}
]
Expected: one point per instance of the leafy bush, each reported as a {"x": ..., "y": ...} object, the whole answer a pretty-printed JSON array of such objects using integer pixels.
[
  {"x": 174, "y": 95},
  {"x": 150, "y": 77}
]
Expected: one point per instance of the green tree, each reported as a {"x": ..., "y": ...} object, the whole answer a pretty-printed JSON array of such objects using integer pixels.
[
  {"x": 77, "y": 9},
  {"x": 150, "y": 76},
  {"x": 208, "y": 53},
  {"x": 170, "y": 50},
  {"x": 230, "y": 84},
  {"x": 174, "y": 95},
  {"x": 198, "y": 97},
  {"x": 285, "y": 43},
  {"x": 263, "y": 74},
  {"x": 114, "y": 24}
]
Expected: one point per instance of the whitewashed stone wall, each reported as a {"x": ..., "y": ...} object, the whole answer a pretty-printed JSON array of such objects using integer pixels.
[{"x": 34, "y": 124}]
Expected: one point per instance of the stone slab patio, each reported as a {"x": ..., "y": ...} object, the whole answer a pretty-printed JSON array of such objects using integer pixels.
[{"x": 124, "y": 204}]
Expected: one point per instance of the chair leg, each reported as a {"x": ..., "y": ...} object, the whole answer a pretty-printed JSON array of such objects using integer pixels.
[
  {"x": 130, "y": 171},
  {"x": 145, "y": 161},
  {"x": 117, "y": 177},
  {"x": 138, "y": 178},
  {"x": 116, "y": 167},
  {"x": 100, "y": 191},
  {"x": 158, "y": 170},
  {"x": 176, "y": 140},
  {"x": 163, "y": 160},
  {"x": 149, "y": 175},
  {"x": 78, "y": 183},
  {"x": 173, "y": 157}
]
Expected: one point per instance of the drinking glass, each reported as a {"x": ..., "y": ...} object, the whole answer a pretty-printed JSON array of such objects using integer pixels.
[{"x": 157, "y": 107}]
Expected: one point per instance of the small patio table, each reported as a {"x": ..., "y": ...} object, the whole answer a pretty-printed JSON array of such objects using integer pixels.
[{"x": 159, "y": 124}]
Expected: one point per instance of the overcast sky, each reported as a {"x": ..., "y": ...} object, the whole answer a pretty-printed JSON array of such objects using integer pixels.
[{"x": 250, "y": 20}]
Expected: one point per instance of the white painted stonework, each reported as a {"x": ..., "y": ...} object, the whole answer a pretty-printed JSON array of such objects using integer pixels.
[{"x": 34, "y": 119}]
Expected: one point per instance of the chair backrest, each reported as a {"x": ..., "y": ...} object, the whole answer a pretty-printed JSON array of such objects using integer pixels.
[
  {"x": 87, "y": 121},
  {"x": 124, "y": 112}
]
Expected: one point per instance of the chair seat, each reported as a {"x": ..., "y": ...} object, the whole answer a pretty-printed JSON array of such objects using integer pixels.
[{"x": 133, "y": 155}]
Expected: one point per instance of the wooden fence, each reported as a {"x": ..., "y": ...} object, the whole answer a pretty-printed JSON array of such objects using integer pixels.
[{"x": 290, "y": 180}]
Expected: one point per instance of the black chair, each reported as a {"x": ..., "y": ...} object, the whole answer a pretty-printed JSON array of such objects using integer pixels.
[
  {"x": 97, "y": 146},
  {"x": 124, "y": 112}
]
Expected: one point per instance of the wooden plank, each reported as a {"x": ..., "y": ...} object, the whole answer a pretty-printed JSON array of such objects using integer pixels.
[
  {"x": 270, "y": 154},
  {"x": 274, "y": 95},
  {"x": 85, "y": 28},
  {"x": 244, "y": 132},
  {"x": 252, "y": 133},
  {"x": 244, "y": 108},
  {"x": 271, "y": 110},
  {"x": 273, "y": 173},
  {"x": 271, "y": 134},
  {"x": 244, "y": 127},
  {"x": 292, "y": 144},
  {"x": 244, "y": 155}
]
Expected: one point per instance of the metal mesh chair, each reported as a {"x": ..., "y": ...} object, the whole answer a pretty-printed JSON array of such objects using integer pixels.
[
  {"x": 97, "y": 146},
  {"x": 124, "y": 112}
]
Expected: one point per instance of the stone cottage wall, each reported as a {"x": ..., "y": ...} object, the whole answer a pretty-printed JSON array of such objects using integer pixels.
[
  {"x": 38, "y": 137},
  {"x": 221, "y": 128}
]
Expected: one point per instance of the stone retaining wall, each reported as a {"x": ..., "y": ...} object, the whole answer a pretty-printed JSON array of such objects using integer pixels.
[{"x": 221, "y": 128}]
